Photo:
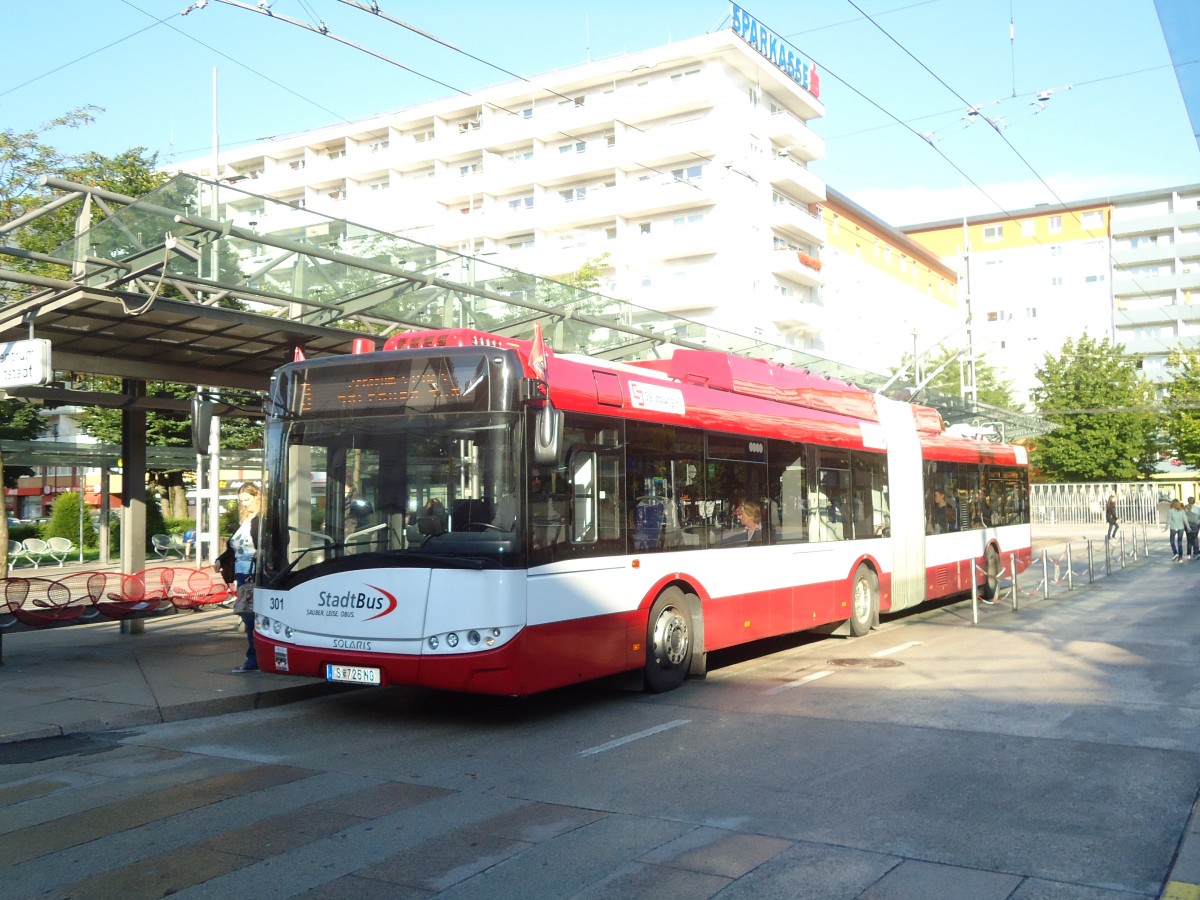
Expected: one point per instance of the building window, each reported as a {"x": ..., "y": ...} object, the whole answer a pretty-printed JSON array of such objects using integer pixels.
[
  {"x": 521, "y": 202},
  {"x": 1093, "y": 219},
  {"x": 1056, "y": 281},
  {"x": 1056, "y": 249},
  {"x": 1089, "y": 279},
  {"x": 1031, "y": 312},
  {"x": 690, "y": 219},
  {"x": 295, "y": 164},
  {"x": 643, "y": 228},
  {"x": 573, "y": 147},
  {"x": 470, "y": 169},
  {"x": 521, "y": 242},
  {"x": 379, "y": 146},
  {"x": 527, "y": 112},
  {"x": 420, "y": 137},
  {"x": 688, "y": 173},
  {"x": 378, "y": 186},
  {"x": 1028, "y": 227},
  {"x": 570, "y": 195},
  {"x": 1055, "y": 223},
  {"x": 337, "y": 153},
  {"x": 993, "y": 232}
]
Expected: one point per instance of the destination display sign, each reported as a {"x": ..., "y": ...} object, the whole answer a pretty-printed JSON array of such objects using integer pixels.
[{"x": 25, "y": 363}]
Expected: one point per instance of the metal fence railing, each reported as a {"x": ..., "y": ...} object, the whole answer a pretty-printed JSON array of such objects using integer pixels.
[
  {"x": 1066, "y": 566},
  {"x": 1083, "y": 504}
]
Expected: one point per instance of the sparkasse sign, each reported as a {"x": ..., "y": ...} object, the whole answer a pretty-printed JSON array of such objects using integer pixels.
[
  {"x": 25, "y": 363},
  {"x": 776, "y": 49}
]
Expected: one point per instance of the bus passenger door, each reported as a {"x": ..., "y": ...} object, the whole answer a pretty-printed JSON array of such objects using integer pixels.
[{"x": 906, "y": 502}]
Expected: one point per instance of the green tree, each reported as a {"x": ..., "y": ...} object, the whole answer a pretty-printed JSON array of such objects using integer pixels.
[
  {"x": 65, "y": 519},
  {"x": 1182, "y": 415},
  {"x": 1107, "y": 428},
  {"x": 24, "y": 158}
]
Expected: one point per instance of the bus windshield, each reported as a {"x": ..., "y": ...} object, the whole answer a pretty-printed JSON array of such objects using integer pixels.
[{"x": 437, "y": 489}]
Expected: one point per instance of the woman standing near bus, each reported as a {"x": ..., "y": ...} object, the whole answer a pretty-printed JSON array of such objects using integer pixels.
[{"x": 249, "y": 499}]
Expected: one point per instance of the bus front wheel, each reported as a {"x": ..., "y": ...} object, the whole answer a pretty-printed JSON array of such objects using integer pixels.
[
  {"x": 668, "y": 641},
  {"x": 864, "y": 593}
]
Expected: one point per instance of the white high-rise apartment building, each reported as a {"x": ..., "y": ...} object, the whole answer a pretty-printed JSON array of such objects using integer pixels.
[
  {"x": 1156, "y": 274},
  {"x": 683, "y": 170}
]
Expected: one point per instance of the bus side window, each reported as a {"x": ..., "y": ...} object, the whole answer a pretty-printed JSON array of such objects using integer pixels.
[{"x": 585, "y": 498}]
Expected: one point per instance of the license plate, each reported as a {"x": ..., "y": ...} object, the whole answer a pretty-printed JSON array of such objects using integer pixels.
[{"x": 352, "y": 674}]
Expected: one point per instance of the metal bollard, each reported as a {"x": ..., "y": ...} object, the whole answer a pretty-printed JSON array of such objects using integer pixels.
[
  {"x": 1070, "y": 570},
  {"x": 1108, "y": 557},
  {"x": 1012, "y": 562},
  {"x": 1091, "y": 563},
  {"x": 1045, "y": 574},
  {"x": 974, "y": 598},
  {"x": 1121, "y": 548}
]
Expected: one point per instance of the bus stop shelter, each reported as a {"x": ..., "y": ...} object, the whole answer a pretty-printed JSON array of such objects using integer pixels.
[{"x": 204, "y": 283}]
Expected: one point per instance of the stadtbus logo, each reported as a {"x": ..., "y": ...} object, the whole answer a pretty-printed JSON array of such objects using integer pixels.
[{"x": 381, "y": 604}]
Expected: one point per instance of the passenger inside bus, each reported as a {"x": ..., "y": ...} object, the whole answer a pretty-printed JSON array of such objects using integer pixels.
[{"x": 749, "y": 530}]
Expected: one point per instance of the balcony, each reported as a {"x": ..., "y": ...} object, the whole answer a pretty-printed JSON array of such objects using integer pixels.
[
  {"x": 1163, "y": 251},
  {"x": 637, "y": 149},
  {"x": 795, "y": 220},
  {"x": 676, "y": 242},
  {"x": 792, "y": 133},
  {"x": 669, "y": 97},
  {"x": 791, "y": 177},
  {"x": 798, "y": 267},
  {"x": 796, "y": 314},
  {"x": 661, "y": 194},
  {"x": 1149, "y": 224},
  {"x": 555, "y": 213}
]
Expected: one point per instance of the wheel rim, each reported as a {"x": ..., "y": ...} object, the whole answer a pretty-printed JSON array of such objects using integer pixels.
[
  {"x": 993, "y": 569},
  {"x": 862, "y": 599},
  {"x": 670, "y": 637}
]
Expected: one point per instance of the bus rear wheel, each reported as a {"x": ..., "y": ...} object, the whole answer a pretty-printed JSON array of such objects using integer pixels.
[
  {"x": 864, "y": 596},
  {"x": 668, "y": 641},
  {"x": 991, "y": 580}
]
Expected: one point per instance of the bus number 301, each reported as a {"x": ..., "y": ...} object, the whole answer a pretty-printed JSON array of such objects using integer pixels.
[{"x": 276, "y": 603}]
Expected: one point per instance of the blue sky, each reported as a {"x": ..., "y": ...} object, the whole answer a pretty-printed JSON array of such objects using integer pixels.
[{"x": 1115, "y": 122}]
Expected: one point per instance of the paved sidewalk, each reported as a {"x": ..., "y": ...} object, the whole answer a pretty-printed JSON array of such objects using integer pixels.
[{"x": 86, "y": 678}]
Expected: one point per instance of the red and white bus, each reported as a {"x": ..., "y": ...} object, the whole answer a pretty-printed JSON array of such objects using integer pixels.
[{"x": 447, "y": 513}]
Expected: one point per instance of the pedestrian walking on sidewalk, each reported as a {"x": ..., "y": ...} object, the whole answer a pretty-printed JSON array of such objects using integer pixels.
[
  {"x": 1191, "y": 515},
  {"x": 1176, "y": 526},
  {"x": 1110, "y": 516},
  {"x": 243, "y": 544}
]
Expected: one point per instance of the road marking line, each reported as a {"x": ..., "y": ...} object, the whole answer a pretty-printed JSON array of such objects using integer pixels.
[
  {"x": 592, "y": 751},
  {"x": 891, "y": 650},
  {"x": 799, "y": 682}
]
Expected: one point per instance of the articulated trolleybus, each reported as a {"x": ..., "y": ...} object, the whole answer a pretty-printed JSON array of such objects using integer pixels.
[{"x": 470, "y": 512}]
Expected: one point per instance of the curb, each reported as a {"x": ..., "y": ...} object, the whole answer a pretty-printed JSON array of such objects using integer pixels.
[{"x": 199, "y": 709}]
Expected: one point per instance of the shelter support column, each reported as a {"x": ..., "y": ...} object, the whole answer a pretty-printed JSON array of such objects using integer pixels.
[{"x": 133, "y": 490}]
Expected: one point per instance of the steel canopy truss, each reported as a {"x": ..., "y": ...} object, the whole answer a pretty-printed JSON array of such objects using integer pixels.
[{"x": 206, "y": 283}]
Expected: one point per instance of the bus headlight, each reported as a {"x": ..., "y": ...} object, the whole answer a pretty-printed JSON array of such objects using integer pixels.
[
  {"x": 278, "y": 626},
  {"x": 472, "y": 638},
  {"x": 452, "y": 639},
  {"x": 433, "y": 642},
  {"x": 288, "y": 632}
]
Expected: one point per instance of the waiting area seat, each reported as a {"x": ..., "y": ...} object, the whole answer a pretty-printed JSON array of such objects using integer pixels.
[
  {"x": 59, "y": 549},
  {"x": 34, "y": 550},
  {"x": 167, "y": 546}
]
